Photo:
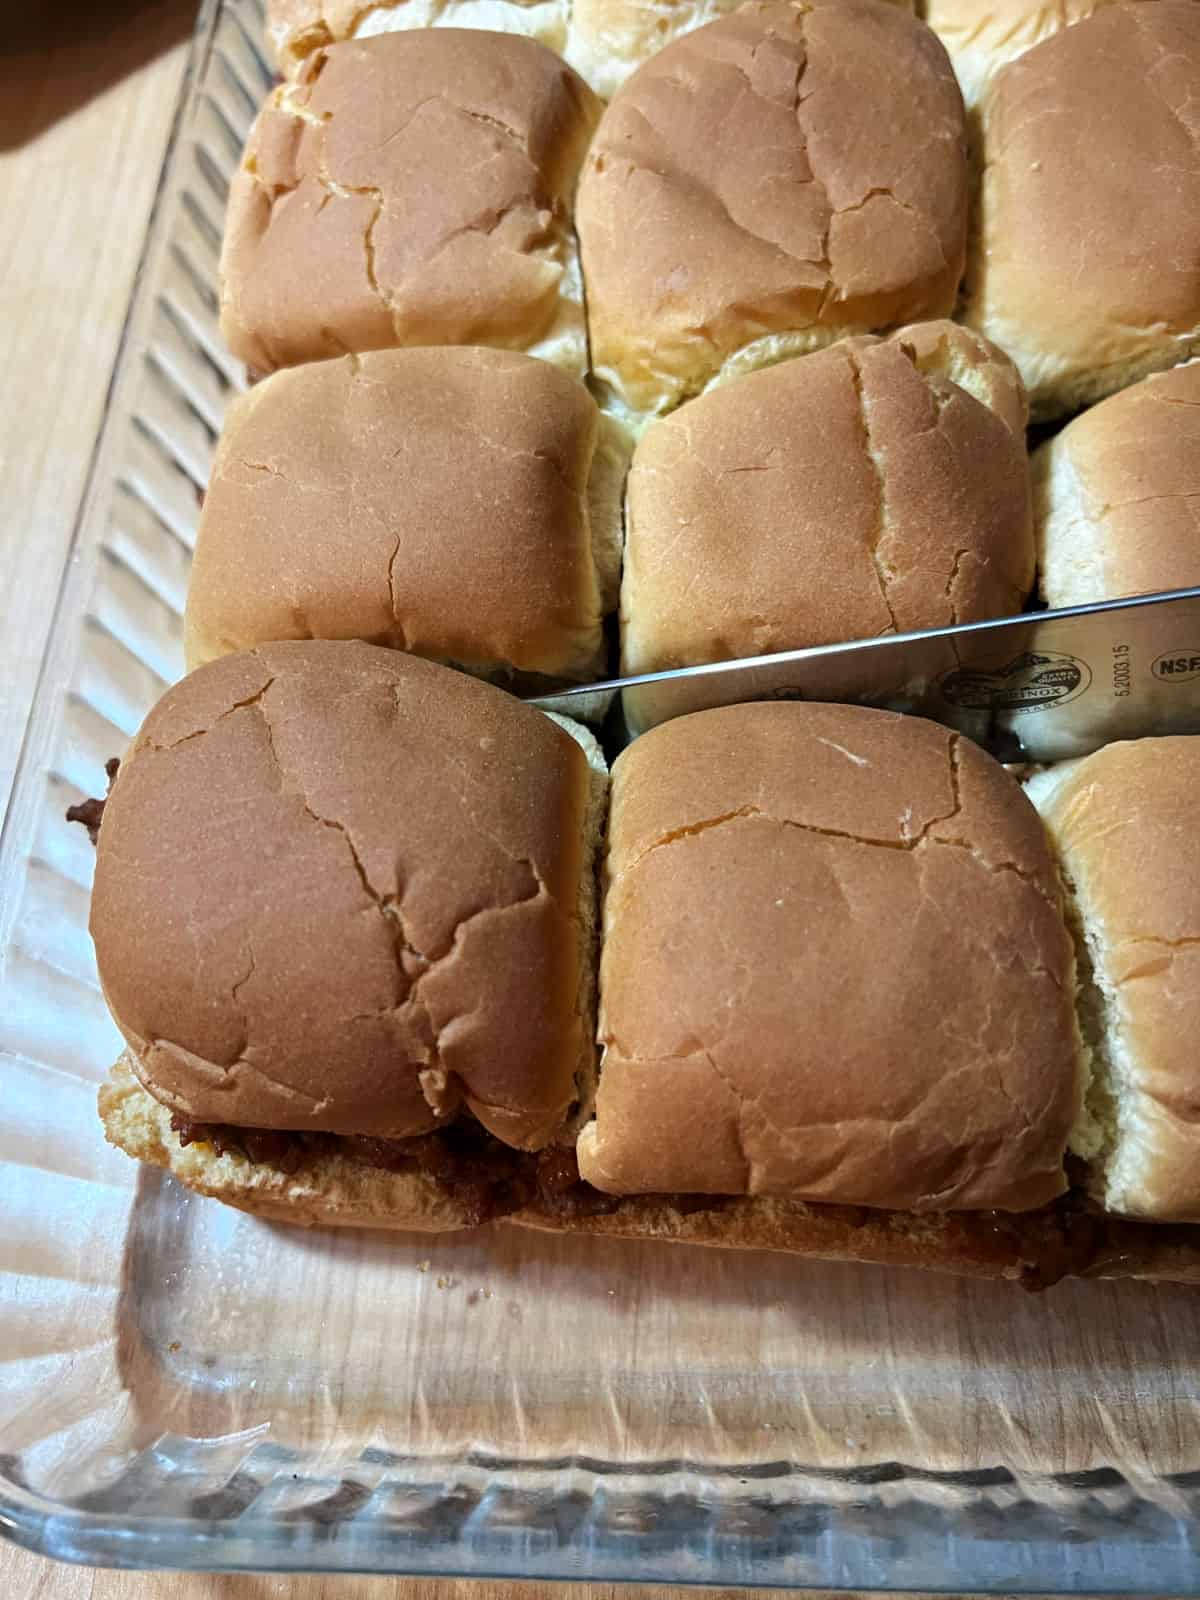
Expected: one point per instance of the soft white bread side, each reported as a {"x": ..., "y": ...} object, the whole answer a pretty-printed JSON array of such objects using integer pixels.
[
  {"x": 608, "y": 39},
  {"x": 426, "y": 181},
  {"x": 587, "y": 915},
  {"x": 606, "y": 506},
  {"x": 941, "y": 349},
  {"x": 295, "y": 28},
  {"x": 738, "y": 203},
  {"x": 1123, "y": 822},
  {"x": 461, "y": 504},
  {"x": 981, "y": 36},
  {"x": 1117, "y": 494},
  {"x": 1084, "y": 262}
]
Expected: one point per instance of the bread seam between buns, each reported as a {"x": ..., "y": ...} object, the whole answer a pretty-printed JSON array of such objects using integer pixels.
[
  {"x": 587, "y": 919},
  {"x": 883, "y": 523},
  {"x": 294, "y": 48},
  {"x": 1099, "y": 1130}
]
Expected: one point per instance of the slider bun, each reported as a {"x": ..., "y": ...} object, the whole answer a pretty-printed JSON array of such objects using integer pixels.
[
  {"x": 295, "y": 28},
  {"x": 766, "y": 184},
  {"x": 342, "y": 889},
  {"x": 1123, "y": 821},
  {"x": 836, "y": 496},
  {"x": 464, "y": 504},
  {"x": 1086, "y": 263},
  {"x": 424, "y": 180},
  {"x": 834, "y": 969},
  {"x": 607, "y": 39},
  {"x": 1117, "y": 494},
  {"x": 981, "y": 36}
]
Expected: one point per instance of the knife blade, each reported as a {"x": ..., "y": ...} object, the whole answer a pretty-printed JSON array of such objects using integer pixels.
[{"x": 1042, "y": 686}]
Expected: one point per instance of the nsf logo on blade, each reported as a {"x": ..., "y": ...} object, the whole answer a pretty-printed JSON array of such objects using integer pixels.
[
  {"x": 1177, "y": 666},
  {"x": 1036, "y": 680}
]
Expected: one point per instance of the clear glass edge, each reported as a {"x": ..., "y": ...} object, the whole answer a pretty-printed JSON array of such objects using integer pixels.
[{"x": 863, "y": 1544}]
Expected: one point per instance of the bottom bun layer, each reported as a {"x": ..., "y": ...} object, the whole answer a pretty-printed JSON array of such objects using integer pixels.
[
  {"x": 332, "y": 1191},
  {"x": 1036, "y": 1249}
]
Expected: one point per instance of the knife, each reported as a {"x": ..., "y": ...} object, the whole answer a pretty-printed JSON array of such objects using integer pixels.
[{"x": 1043, "y": 686}]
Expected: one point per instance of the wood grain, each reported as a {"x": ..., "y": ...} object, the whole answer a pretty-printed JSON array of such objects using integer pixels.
[
  {"x": 63, "y": 1583},
  {"x": 85, "y": 120},
  {"x": 26, "y": 1578}
]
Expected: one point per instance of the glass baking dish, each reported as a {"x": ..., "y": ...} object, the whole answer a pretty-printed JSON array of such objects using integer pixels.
[{"x": 182, "y": 1386}]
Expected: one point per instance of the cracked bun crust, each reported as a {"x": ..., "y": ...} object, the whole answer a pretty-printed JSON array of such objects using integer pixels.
[
  {"x": 834, "y": 968},
  {"x": 1123, "y": 822},
  {"x": 857, "y": 491},
  {"x": 464, "y": 504},
  {"x": 1117, "y": 494},
  {"x": 347, "y": 171},
  {"x": 1086, "y": 266},
  {"x": 295, "y": 28},
  {"x": 789, "y": 174},
  {"x": 343, "y": 889}
]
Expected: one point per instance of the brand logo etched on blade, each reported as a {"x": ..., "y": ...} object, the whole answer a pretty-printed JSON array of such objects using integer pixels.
[
  {"x": 1177, "y": 666},
  {"x": 1035, "y": 680}
]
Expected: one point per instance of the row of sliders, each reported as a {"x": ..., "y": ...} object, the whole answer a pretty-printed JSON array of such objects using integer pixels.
[
  {"x": 855, "y": 997},
  {"x": 467, "y": 505},
  {"x": 794, "y": 172}
]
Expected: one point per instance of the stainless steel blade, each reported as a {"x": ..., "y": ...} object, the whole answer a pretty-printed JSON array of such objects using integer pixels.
[{"x": 1038, "y": 687}]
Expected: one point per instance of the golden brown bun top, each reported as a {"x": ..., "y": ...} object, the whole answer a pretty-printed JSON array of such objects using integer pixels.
[
  {"x": 435, "y": 500},
  {"x": 788, "y": 167},
  {"x": 835, "y": 496},
  {"x": 1124, "y": 821},
  {"x": 405, "y": 189},
  {"x": 336, "y": 888},
  {"x": 834, "y": 967},
  {"x": 1089, "y": 268},
  {"x": 1128, "y": 469}
]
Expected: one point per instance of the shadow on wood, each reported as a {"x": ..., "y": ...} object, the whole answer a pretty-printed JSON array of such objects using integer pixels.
[{"x": 55, "y": 58}]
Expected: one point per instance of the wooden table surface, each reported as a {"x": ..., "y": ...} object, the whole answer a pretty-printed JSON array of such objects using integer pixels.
[{"x": 87, "y": 93}]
